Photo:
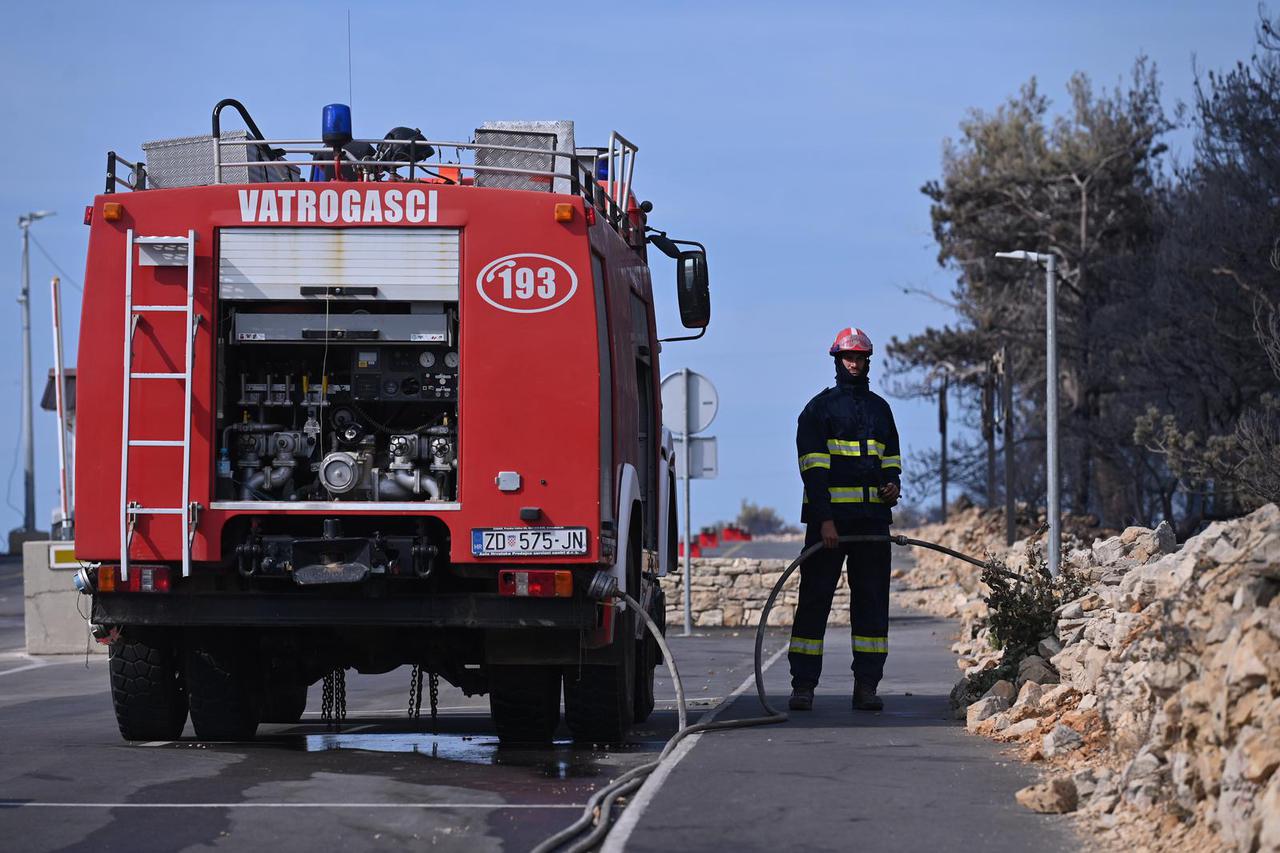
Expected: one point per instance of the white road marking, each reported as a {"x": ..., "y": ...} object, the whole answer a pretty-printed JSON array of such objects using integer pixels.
[
  {"x": 39, "y": 664},
  {"x": 16, "y": 804},
  {"x": 616, "y": 840}
]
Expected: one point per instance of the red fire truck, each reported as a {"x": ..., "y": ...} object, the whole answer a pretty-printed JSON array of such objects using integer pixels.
[{"x": 357, "y": 404}]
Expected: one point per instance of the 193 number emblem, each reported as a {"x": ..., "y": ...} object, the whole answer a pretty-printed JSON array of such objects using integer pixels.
[{"x": 526, "y": 283}]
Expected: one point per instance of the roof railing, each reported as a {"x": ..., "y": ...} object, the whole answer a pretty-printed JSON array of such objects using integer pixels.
[{"x": 283, "y": 160}]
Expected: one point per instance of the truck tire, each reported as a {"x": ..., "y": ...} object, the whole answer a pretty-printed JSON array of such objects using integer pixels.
[
  {"x": 284, "y": 702},
  {"x": 147, "y": 687},
  {"x": 600, "y": 699},
  {"x": 524, "y": 701},
  {"x": 221, "y": 682},
  {"x": 648, "y": 656}
]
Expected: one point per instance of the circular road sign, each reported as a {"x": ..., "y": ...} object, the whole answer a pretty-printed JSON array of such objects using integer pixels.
[{"x": 689, "y": 402}]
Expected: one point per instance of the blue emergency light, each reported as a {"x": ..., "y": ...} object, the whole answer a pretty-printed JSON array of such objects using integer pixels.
[
  {"x": 336, "y": 126},
  {"x": 602, "y": 169}
]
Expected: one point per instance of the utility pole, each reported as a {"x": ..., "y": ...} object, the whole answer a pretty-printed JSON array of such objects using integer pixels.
[
  {"x": 989, "y": 429},
  {"x": 1051, "y": 397},
  {"x": 688, "y": 514},
  {"x": 1006, "y": 388},
  {"x": 942, "y": 431},
  {"x": 24, "y": 299}
]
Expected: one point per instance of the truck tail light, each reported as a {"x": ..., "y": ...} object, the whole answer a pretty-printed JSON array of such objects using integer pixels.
[
  {"x": 149, "y": 579},
  {"x": 564, "y": 212},
  {"x": 141, "y": 579},
  {"x": 539, "y": 583}
]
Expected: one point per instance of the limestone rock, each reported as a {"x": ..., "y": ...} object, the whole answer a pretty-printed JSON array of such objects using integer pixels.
[
  {"x": 1029, "y": 694},
  {"x": 983, "y": 708},
  {"x": 1106, "y": 551},
  {"x": 1056, "y": 796},
  {"x": 1048, "y": 647},
  {"x": 1003, "y": 689},
  {"x": 1020, "y": 728},
  {"x": 1268, "y": 817},
  {"x": 1144, "y": 779},
  {"x": 1034, "y": 668},
  {"x": 1061, "y": 740}
]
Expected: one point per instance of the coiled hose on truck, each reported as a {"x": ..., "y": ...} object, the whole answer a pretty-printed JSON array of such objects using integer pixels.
[{"x": 593, "y": 825}]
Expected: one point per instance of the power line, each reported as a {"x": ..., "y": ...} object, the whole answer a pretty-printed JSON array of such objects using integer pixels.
[{"x": 69, "y": 280}]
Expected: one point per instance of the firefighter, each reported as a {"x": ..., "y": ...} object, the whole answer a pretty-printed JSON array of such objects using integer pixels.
[{"x": 851, "y": 467}]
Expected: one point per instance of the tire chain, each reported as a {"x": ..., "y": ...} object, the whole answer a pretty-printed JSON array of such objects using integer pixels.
[
  {"x": 415, "y": 692},
  {"x": 435, "y": 702},
  {"x": 415, "y": 696},
  {"x": 333, "y": 697}
]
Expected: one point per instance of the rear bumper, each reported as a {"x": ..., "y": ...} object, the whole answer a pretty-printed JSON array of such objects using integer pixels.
[{"x": 312, "y": 611}]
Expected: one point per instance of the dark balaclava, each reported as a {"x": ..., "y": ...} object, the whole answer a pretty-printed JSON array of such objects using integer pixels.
[{"x": 844, "y": 377}]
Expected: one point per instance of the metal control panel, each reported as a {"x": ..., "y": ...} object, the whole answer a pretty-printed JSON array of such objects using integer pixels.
[{"x": 391, "y": 373}]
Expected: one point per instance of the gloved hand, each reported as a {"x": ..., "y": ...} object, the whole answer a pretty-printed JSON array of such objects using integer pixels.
[{"x": 889, "y": 493}]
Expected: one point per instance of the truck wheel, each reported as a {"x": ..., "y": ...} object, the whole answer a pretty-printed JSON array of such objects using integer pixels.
[
  {"x": 600, "y": 699},
  {"x": 524, "y": 701},
  {"x": 221, "y": 681},
  {"x": 284, "y": 702},
  {"x": 147, "y": 689},
  {"x": 648, "y": 656}
]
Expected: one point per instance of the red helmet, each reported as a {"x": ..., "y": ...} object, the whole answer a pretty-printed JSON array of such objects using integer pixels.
[{"x": 851, "y": 340}]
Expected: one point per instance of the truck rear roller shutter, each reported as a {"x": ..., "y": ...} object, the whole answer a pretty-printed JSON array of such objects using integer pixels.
[{"x": 403, "y": 264}]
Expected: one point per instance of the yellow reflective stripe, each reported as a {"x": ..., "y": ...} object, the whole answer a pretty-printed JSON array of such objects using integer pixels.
[
  {"x": 879, "y": 645},
  {"x": 873, "y": 495},
  {"x": 839, "y": 447},
  {"x": 814, "y": 460},
  {"x": 842, "y": 495},
  {"x": 802, "y": 646},
  {"x": 891, "y": 462},
  {"x": 875, "y": 448}
]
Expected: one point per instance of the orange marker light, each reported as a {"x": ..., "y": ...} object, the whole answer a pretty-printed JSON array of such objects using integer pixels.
[
  {"x": 113, "y": 211},
  {"x": 108, "y": 578},
  {"x": 564, "y": 212}
]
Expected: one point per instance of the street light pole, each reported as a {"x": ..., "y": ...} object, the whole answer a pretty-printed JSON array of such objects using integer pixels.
[
  {"x": 1051, "y": 397},
  {"x": 24, "y": 299}
]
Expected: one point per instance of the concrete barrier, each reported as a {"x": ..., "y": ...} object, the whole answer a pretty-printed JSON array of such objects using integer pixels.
[{"x": 52, "y": 608}]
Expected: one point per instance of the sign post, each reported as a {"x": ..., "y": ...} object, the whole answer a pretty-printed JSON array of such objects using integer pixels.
[{"x": 689, "y": 404}]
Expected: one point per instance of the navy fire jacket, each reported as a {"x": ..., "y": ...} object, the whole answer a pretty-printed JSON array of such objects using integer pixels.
[{"x": 848, "y": 447}]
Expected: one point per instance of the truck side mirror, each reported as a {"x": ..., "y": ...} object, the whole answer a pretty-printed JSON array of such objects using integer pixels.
[{"x": 693, "y": 290}]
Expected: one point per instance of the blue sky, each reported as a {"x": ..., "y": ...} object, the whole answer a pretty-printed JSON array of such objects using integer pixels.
[{"x": 790, "y": 138}]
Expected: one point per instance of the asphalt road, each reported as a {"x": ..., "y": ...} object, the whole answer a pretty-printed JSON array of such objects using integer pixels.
[
  {"x": 909, "y": 779},
  {"x": 68, "y": 782}
]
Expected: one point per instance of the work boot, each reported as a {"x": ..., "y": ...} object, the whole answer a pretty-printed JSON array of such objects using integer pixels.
[
  {"x": 865, "y": 699},
  {"x": 801, "y": 699}
]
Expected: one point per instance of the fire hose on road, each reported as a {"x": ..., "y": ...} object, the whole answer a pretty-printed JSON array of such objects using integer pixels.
[{"x": 594, "y": 823}]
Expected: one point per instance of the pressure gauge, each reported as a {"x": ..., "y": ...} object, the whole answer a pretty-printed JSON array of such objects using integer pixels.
[
  {"x": 426, "y": 358},
  {"x": 451, "y": 359}
]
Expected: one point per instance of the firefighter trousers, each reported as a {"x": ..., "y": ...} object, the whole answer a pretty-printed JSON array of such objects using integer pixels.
[{"x": 868, "y": 573}]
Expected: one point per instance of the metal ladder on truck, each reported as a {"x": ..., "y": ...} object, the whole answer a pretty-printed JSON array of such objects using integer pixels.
[{"x": 167, "y": 252}]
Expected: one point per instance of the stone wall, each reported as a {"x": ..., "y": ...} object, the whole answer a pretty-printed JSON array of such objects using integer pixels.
[{"x": 731, "y": 593}]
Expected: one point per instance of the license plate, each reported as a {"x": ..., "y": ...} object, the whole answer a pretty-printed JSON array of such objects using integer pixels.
[{"x": 528, "y": 541}]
